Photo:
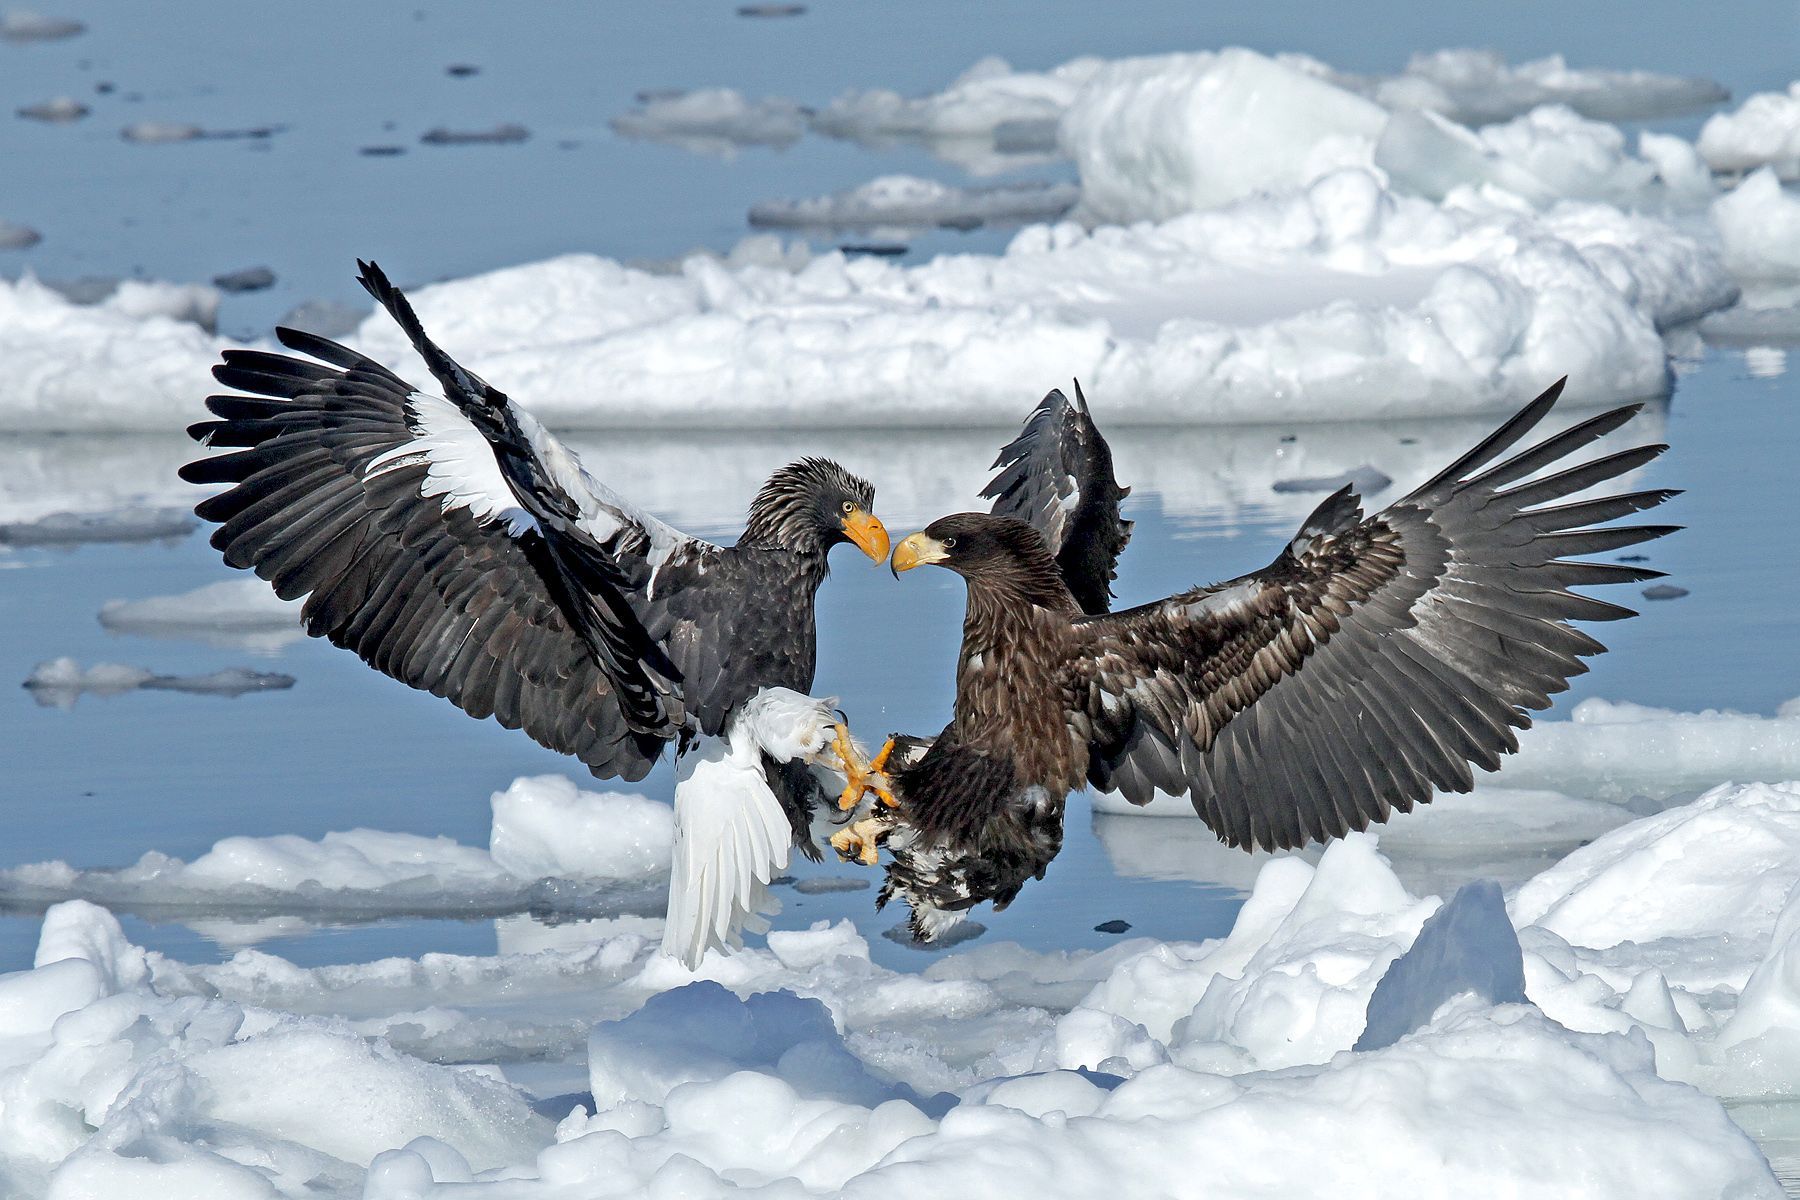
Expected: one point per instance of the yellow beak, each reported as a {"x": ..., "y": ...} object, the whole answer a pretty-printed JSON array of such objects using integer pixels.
[
  {"x": 867, "y": 531},
  {"x": 916, "y": 549}
]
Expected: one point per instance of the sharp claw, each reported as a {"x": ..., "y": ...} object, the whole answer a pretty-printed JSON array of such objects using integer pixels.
[{"x": 860, "y": 841}]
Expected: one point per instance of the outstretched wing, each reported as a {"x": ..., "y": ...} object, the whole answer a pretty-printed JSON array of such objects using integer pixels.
[
  {"x": 1057, "y": 476},
  {"x": 449, "y": 542},
  {"x": 1377, "y": 657}
]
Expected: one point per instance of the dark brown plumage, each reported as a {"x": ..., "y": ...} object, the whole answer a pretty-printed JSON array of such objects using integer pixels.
[{"x": 1374, "y": 660}]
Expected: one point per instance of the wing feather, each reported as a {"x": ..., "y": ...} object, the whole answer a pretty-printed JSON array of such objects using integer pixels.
[
  {"x": 1378, "y": 658},
  {"x": 1057, "y": 476}
]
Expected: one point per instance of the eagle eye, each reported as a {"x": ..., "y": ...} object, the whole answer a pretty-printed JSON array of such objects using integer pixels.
[
  {"x": 949, "y": 543},
  {"x": 849, "y": 506}
]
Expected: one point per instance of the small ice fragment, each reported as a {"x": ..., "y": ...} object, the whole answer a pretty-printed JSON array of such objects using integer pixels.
[
  {"x": 956, "y": 935},
  {"x": 59, "y": 111},
  {"x": 904, "y": 200},
  {"x": 820, "y": 885},
  {"x": 1765, "y": 362},
  {"x": 1664, "y": 591},
  {"x": 1365, "y": 479},
  {"x": 874, "y": 249},
  {"x": 250, "y": 279},
  {"x": 499, "y": 135},
  {"x": 232, "y": 681},
  {"x": 156, "y": 133},
  {"x": 462, "y": 70},
  {"x": 88, "y": 289},
  {"x": 114, "y": 525},
  {"x": 1113, "y": 926},
  {"x": 381, "y": 151},
  {"x": 18, "y": 237},
  {"x": 770, "y": 10},
  {"x": 327, "y": 318},
  {"x": 23, "y": 25},
  {"x": 712, "y": 120},
  {"x": 1468, "y": 945}
]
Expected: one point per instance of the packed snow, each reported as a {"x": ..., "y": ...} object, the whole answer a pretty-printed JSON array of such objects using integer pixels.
[
  {"x": 1759, "y": 227},
  {"x": 1763, "y": 132},
  {"x": 1649, "y": 976}
]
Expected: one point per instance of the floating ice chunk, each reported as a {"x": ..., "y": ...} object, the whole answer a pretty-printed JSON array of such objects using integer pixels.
[
  {"x": 1615, "y": 750},
  {"x": 1753, "y": 326},
  {"x": 1763, "y": 132},
  {"x": 1468, "y": 945},
  {"x": 250, "y": 279},
  {"x": 1678, "y": 165},
  {"x": 242, "y": 612},
  {"x": 910, "y": 202},
  {"x": 24, "y": 25},
  {"x": 157, "y": 133},
  {"x": 60, "y": 682},
  {"x": 60, "y": 111},
  {"x": 554, "y": 849},
  {"x": 327, "y": 318},
  {"x": 120, "y": 525},
  {"x": 1156, "y": 137},
  {"x": 545, "y": 827},
  {"x": 1728, "y": 861},
  {"x": 984, "y": 103},
  {"x": 506, "y": 133},
  {"x": 18, "y": 237},
  {"x": 1365, "y": 479},
  {"x": 713, "y": 120},
  {"x": 1759, "y": 225},
  {"x": 1478, "y": 87}
]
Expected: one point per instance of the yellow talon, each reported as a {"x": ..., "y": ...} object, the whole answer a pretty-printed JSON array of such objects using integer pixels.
[
  {"x": 861, "y": 841},
  {"x": 861, "y": 777}
]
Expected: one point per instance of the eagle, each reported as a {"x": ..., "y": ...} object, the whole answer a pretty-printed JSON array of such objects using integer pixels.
[
  {"x": 457, "y": 546},
  {"x": 1376, "y": 659}
]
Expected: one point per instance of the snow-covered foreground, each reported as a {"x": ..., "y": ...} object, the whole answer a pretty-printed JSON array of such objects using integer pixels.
[{"x": 1652, "y": 972}]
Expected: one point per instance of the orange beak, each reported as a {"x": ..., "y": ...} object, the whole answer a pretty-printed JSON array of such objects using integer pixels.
[
  {"x": 917, "y": 549},
  {"x": 867, "y": 531}
]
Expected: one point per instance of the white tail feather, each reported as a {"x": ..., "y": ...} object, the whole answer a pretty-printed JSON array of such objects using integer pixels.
[{"x": 731, "y": 835}]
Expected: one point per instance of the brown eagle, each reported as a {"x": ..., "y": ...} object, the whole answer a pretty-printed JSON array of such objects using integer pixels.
[{"x": 1373, "y": 661}]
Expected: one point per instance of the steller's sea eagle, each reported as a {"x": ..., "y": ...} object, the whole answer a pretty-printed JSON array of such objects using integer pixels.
[
  {"x": 1374, "y": 660},
  {"x": 457, "y": 546}
]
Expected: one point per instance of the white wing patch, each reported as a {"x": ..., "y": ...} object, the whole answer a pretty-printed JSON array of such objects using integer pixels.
[
  {"x": 1222, "y": 600},
  {"x": 459, "y": 464}
]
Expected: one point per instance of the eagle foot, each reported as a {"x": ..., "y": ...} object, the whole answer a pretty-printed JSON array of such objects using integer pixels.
[
  {"x": 861, "y": 775},
  {"x": 861, "y": 840}
]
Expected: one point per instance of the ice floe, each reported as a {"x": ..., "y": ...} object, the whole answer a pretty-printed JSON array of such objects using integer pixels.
[
  {"x": 553, "y": 848},
  {"x": 14, "y": 236},
  {"x": 1662, "y": 952},
  {"x": 1759, "y": 227},
  {"x": 59, "y": 682},
  {"x": 1763, "y": 132},
  {"x": 906, "y": 201},
  {"x": 713, "y": 121},
  {"x": 24, "y": 25},
  {"x": 243, "y": 613}
]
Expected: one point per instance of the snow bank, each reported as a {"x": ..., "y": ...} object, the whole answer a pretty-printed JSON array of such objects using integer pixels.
[
  {"x": 1763, "y": 132},
  {"x": 804, "y": 1069},
  {"x": 243, "y": 613},
  {"x": 1157, "y": 137},
  {"x": 1759, "y": 226},
  {"x": 84, "y": 366},
  {"x": 908, "y": 202},
  {"x": 553, "y": 848},
  {"x": 1211, "y": 318}
]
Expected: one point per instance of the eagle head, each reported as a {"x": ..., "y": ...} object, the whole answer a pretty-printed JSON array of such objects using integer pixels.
[
  {"x": 814, "y": 504},
  {"x": 1003, "y": 552}
]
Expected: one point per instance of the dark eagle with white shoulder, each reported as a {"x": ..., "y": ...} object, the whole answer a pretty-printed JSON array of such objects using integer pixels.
[
  {"x": 457, "y": 546},
  {"x": 1376, "y": 659}
]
